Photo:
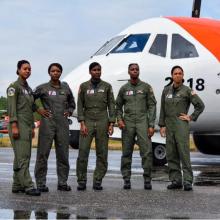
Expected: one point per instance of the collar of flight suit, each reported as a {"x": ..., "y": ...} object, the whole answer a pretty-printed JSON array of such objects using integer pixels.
[
  {"x": 56, "y": 87},
  {"x": 22, "y": 82},
  {"x": 177, "y": 88},
  {"x": 98, "y": 84},
  {"x": 138, "y": 82}
]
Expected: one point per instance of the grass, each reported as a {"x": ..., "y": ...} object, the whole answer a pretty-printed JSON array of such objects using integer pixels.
[{"x": 113, "y": 144}]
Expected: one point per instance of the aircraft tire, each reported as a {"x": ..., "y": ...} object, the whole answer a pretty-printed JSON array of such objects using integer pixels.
[
  {"x": 207, "y": 144},
  {"x": 74, "y": 139},
  {"x": 159, "y": 154}
]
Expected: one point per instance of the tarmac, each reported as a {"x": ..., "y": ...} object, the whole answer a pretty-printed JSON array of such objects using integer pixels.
[{"x": 114, "y": 202}]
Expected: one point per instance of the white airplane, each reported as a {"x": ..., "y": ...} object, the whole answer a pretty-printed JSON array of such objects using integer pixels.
[{"x": 157, "y": 44}]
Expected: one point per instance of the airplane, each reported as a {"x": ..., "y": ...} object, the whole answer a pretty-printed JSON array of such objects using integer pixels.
[{"x": 158, "y": 44}]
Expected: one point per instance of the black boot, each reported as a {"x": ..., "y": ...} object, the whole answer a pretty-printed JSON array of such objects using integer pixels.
[
  {"x": 18, "y": 191},
  {"x": 33, "y": 192},
  {"x": 64, "y": 187},
  {"x": 43, "y": 188},
  {"x": 97, "y": 186},
  {"x": 81, "y": 186},
  {"x": 127, "y": 184},
  {"x": 188, "y": 187},
  {"x": 175, "y": 185},
  {"x": 147, "y": 185}
]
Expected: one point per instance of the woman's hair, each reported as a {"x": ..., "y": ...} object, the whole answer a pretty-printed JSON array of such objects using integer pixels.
[
  {"x": 92, "y": 65},
  {"x": 20, "y": 63},
  {"x": 57, "y": 65},
  {"x": 175, "y": 67},
  {"x": 132, "y": 64}
]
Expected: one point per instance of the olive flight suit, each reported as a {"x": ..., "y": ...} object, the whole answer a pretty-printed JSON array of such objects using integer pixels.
[
  {"x": 136, "y": 106},
  {"x": 175, "y": 101},
  {"x": 57, "y": 100},
  {"x": 96, "y": 107},
  {"x": 20, "y": 110}
]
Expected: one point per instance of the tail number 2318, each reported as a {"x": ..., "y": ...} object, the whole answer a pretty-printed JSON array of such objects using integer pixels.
[{"x": 199, "y": 83}]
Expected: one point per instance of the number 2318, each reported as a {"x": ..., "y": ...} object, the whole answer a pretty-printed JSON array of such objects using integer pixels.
[{"x": 199, "y": 83}]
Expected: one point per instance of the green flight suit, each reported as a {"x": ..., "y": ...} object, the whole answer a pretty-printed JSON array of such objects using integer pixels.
[
  {"x": 96, "y": 107},
  {"x": 57, "y": 100},
  {"x": 136, "y": 106},
  {"x": 20, "y": 110},
  {"x": 174, "y": 102}
]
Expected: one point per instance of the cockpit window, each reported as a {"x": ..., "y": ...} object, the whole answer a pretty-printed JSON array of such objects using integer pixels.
[
  {"x": 132, "y": 44},
  {"x": 159, "y": 46},
  {"x": 109, "y": 45},
  {"x": 182, "y": 48}
]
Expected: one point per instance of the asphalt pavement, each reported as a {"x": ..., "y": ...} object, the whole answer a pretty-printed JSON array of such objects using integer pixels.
[{"x": 114, "y": 202}]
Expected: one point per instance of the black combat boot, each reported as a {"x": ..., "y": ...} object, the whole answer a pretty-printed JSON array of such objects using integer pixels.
[
  {"x": 147, "y": 185},
  {"x": 33, "y": 192},
  {"x": 18, "y": 191},
  {"x": 64, "y": 187},
  {"x": 81, "y": 186},
  {"x": 43, "y": 188},
  {"x": 175, "y": 185},
  {"x": 127, "y": 184},
  {"x": 188, "y": 187},
  {"x": 97, "y": 185}
]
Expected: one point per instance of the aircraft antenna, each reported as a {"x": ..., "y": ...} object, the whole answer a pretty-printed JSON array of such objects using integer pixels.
[{"x": 196, "y": 8}]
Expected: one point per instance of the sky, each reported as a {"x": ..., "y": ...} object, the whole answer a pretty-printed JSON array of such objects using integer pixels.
[{"x": 70, "y": 31}]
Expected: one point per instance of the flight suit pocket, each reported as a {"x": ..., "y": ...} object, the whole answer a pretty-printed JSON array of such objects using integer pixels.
[
  {"x": 180, "y": 98},
  {"x": 181, "y": 104},
  {"x": 25, "y": 132},
  {"x": 104, "y": 98},
  {"x": 127, "y": 109}
]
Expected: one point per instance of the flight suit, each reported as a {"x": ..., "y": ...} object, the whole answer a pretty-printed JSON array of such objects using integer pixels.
[
  {"x": 96, "y": 107},
  {"x": 56, "y": 127},
  {"x": 20, "y": 110},
  {"x": 136, "y": 106},
  {"x": 174, "y": 102}
]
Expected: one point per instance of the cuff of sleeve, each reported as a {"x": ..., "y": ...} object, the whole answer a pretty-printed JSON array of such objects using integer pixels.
[
  {"x": 161, "y": 125},
  {"x": 71, "y": 111},
  {"x": 151, "y": 126},
  {"x": 119, "y": 118},
  {"x": 81, "y": 118},
  {"x": 111, "y": 120},
  {"x": 34, "y": 108},
  {"x": 193, "y": 118},
  {"x": 13, "y": 119}
]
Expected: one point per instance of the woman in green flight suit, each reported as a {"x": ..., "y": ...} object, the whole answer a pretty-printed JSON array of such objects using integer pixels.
[
  {"x": 174, "y": 124},
  {"x": 21, "y": 129}
]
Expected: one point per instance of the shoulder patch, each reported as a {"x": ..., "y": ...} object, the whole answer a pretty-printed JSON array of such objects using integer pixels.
[{"x": 11, "y": 91}]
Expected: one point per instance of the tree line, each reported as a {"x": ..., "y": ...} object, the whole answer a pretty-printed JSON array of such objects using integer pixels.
[{"x": 3, "y": 107}]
